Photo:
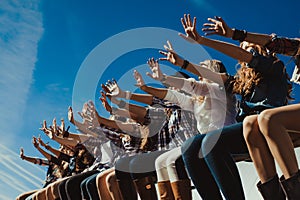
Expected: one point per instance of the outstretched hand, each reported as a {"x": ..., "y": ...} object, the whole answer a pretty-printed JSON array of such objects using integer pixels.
[
  {"x": 156, "y": 72},
  {"x": 71, "y": 115},
  {"x": 139, "y": 79},
  {"x": 171, "y": 55},
  {"x": 93, "y": 116},
  {"x": 105, "y": 103},
  {"x": 41, "y": 142},
  {"x": 44, "y": 128},
  {"x": 47, "y": 131},
  {"x": 113, "y": 89},
  {"x": 217, "y": 26},
  {"x": 22, "y": 153},
  {"x": 35, "y": 142},
  {"x": 189, "y": 26}
]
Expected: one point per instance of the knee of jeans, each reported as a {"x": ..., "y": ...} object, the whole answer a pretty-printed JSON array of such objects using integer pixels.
[
  {"x": 83, "y": 184},
  {"x": 191, "y": 147},
  {"x": 69, "y": 186},
  {"x": 90, "y": 183}
]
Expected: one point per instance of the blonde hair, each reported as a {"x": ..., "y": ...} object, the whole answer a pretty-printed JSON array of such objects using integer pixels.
[{"x": 215, "y": 66}]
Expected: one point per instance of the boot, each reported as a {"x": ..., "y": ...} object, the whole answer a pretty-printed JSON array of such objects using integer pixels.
[
  {"x": 182, "y": 189},
  {"x": 146, "y": 188},
  {"x": 165, "y": 190},
  {"x": 271, "y": 190},
  {"x": 127, "y": 189},
  {"x": 291, "y": 186}
]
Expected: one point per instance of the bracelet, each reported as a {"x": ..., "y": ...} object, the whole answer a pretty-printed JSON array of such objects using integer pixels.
[
  {"x": 127, "y": 94},
  {"x": 239, "y": 34},
  {"x": 113, "y": 110},
  {"x": 122, "y": 104},
  {"x": 164, "y": 78},
  {"x": 185, "y": 64}
]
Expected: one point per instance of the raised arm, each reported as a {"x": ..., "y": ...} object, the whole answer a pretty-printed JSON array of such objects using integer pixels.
[
  {"x": 112, "y": 89},
  {"x": 89, "y": 121},
  {"x": 52, "y": 135},
  {"x": 132, "y": 111},
  {"x": 184, "y": 101},
  {"x": 36, "y": 145},
  {"x": 199, "y": 70},
  {"x": 48, "y": 147},
  {"x": 218, "y": 26},
  {"x": 231, "y": 50},
  {"x": 33, "y": 160},
  {"x": 114, "y": 124},
  {"x": 158, "y": 92}
]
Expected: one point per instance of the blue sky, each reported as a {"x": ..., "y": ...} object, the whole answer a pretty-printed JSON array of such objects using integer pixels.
[{"x": 44, "y": 44}]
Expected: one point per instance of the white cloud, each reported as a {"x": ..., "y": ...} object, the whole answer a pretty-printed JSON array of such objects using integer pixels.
[{"x": 21, "y": 28}]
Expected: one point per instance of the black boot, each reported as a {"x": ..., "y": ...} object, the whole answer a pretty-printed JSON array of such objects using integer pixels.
[
  {"x": 127, "y": 189},
  {"x": 291, "y": 186},
  {"x": 146, "y": 188},
  {"x": 271, "y": 190}
]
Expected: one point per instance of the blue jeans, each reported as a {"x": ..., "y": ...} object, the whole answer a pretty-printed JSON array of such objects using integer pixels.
[{"x": 217, "y": 170}]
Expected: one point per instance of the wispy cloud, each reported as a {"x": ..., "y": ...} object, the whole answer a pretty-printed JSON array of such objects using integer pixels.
[
  {"x": 21, "y": 28},
  {"x": 17, "y": 176}
]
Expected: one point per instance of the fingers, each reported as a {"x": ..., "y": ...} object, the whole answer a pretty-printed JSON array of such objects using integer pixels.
[
  {"x": 194, "y": 22},
  {"x": 183, "y": 23},
  {"x": 212, "y": 20},
  {"x": 170, "y": 45},
  {"x": 220, "y": 19},
  {"x": 104, "y": 88},
  {"x": 150, "y": 75}
]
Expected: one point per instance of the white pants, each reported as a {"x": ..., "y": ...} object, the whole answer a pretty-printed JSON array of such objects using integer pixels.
[{"x": 165, "y": 165}]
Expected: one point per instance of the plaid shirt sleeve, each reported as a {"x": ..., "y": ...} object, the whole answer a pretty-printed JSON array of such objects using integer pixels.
[{"x": 283, "y": 45}]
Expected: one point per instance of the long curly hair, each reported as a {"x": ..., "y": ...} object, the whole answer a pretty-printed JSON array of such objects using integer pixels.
[{"x": 246, "y": 78}]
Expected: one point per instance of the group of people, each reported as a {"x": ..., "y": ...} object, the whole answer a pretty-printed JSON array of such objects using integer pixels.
[{"x": 186, "y": 131}]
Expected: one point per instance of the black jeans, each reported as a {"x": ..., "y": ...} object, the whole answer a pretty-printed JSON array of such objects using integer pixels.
[
  {"x": 208, "y": 159},
  {"x": 71, "y": 187}
]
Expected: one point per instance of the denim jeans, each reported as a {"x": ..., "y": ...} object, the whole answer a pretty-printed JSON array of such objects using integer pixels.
[
  {"x": 198, "y": 169},
  {"x": 217, "y": 148}
]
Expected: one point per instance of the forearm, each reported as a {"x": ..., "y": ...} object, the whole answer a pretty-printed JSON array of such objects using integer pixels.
[
  {"x": 52, "y": 150},
  {"x": 227, "y": 49},
  {"x": 158, "y": 92},
  {"x": 82, "y": 128},
  {"x": 143, "y": 98},
  {"x": 135, "y": 113},
  {"x": 113, "y": 124},
  {"x": 65, "y": 141},
  {"x": 44, "y": 153},
  {"x": 257, "y": 38},
  {"x": 198, "y": 70},
  {"x": 29, "y": 159}
]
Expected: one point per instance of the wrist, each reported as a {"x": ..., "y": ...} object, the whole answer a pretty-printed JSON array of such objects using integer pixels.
[
  {"x": 230, "y": 33},
  {"x": 185, "y": 64},
  {"x": 122, "y": 104},
  {"x": 127, "y": 95},
  {"x": 164, "y": 78},
  {"x": 239, "y": 34},
  {"x": 180, "y": 62}
]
